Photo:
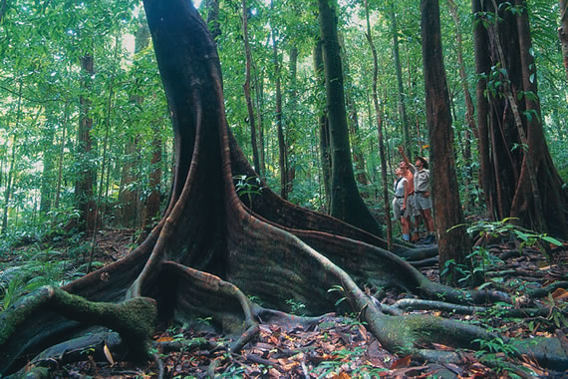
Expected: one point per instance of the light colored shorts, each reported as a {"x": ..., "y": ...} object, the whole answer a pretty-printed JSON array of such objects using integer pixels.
[
  {"x": 397, "y": 208},
  {"x": 422, "y": 202}
]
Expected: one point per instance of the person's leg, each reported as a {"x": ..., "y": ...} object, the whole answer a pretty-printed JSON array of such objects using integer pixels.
[
  {"x": 429, "y": 221},
  {"x": 412, "y": 212},
  {"x": 405, "y": 228}
]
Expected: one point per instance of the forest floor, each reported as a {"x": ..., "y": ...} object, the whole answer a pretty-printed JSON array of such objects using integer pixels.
[{"x": 336, "y": 347}]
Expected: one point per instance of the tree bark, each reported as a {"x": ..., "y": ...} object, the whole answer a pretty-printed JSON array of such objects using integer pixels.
[
  {"x": 346, "y": 203},
  {"x": 453, "y": 241}
]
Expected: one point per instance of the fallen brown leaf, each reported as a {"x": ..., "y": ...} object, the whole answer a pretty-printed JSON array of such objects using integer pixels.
[{"x": 401, "y": 363}]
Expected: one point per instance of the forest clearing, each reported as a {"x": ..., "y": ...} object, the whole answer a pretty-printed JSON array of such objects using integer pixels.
[{"x": 276, "y": 189}]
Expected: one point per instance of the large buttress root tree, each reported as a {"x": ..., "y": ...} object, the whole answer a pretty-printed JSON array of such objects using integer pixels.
[{"x": 210, "y": 249}]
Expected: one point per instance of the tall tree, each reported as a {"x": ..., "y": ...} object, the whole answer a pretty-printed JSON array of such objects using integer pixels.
[
  {"x": 346, "y": 202},
  {"x": 453, "y": 242},
  {"x": 246, "y": 87},
  {"x": 518, "y": 176},
  {"x": 282, "y": 160},
  {"x": 85, "y": 181},
  {"x": 291, "y": 124},
  {"x": 323, "y": 124}
]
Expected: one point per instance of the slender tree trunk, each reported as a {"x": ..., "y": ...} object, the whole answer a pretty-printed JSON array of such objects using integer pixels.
[
  {"x": 61, "y": 155},
  {"x": 259, "y": 91},
  {"x": 11, "y": 173},
  {"x": 282, "y": 159},
  {"x": 378, "y": 113},
  {"x": 128, "y": 194},
  {"x": 563, "y": 32},
  {"x": 346, "y": 202},
  {"x": 46, "y": 190},
  {"x": 483, "y": 68},
  {"x": 291, "y": 127},
  {"x": 246, "y": 87},
  {"x": 401, "y": 102},
  {"x": 453, "y": 244},
  {"x": 87, "y": 174},
  {"x": 153, "y": 202},
  {"x": 323, "y": 125},
  {"x": 8, "y": 190}
]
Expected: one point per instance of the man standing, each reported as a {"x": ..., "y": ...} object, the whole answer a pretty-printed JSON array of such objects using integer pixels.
[{"x": 422, "y": 198}]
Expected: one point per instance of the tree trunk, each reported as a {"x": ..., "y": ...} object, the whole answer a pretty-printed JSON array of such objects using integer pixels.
[
  {"x": 323, "y": 125},
  {"x": 400, "y": 89},
  {"x": 378, "y": 113},
  {"x": 282, "y": 159},
  {"x": 291, "y": 126},
  {"x": 46, "y": 190},
  {"x": 10, "y": 179},
  {"x": 453, "y": 244},
  {"x": 87, "y": 171},
  {"x": 346, "y": 203},
  {"x": 128, "y": 196},
  {"x": 246, "y": 87},
  {"x": 483, "y": 67},
  {"x": 61, "y": 155},
  {"x": 518, "y": 176},
  {"x": 259, "y": 90}
]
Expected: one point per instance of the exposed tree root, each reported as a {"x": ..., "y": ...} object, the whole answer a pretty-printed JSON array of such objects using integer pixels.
[
  {"x": 420, "y": 304},
  {"x": 209, "y": 250},
  {"x": 133, "y": 319}
]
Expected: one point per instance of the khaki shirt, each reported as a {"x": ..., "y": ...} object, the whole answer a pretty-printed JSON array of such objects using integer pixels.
[{"x": 422, "y": 180}]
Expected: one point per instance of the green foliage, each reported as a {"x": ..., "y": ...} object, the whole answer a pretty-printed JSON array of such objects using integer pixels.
[
  {"x": 247, "y": 186},
  {"x": 480, "y": 260},
  {"x": 296, "y": 307}
]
